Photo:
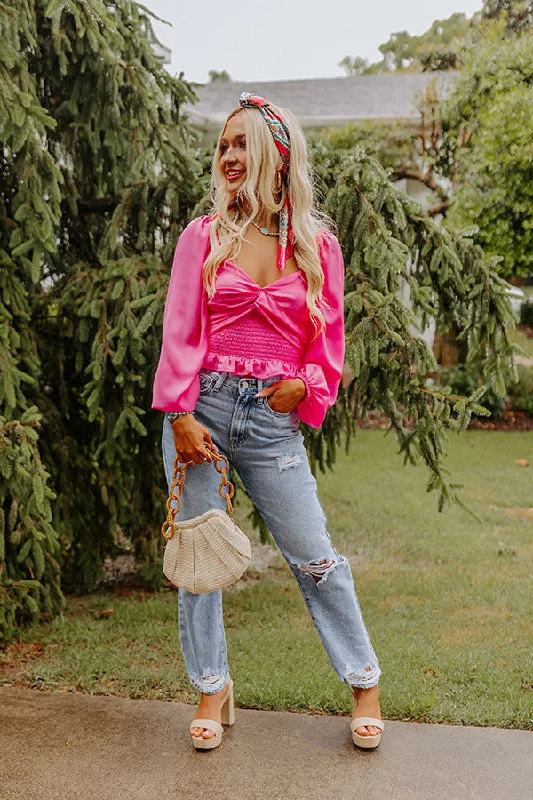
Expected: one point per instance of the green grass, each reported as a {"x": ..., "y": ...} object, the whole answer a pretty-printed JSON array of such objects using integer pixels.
[{"x": 447, "y": 602}]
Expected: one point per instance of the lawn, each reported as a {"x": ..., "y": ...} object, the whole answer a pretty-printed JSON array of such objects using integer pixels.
[{"x": 447, "y": 601}]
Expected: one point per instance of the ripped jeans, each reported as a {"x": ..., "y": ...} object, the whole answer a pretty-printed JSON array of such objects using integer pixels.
[{"x": 266, "y": 448}]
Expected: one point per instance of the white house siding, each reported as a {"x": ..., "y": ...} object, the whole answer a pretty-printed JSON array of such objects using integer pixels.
[{"x": 419, "y": 192}]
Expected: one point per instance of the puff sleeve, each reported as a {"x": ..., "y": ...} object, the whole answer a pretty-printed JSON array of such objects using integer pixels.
[
  {"x": 321, "y": 370},
  {"x": 176, "y": 385}
]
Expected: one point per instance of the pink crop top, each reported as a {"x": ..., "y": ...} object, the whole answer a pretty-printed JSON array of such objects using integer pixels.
[{"x": 249, "y": 330}]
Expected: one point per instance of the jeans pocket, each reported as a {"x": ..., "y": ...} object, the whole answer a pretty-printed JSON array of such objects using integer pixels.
[{"x": 282, "y": 414}]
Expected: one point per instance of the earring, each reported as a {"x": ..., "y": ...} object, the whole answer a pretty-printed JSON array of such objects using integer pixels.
[{"x": 277, "y": 181}]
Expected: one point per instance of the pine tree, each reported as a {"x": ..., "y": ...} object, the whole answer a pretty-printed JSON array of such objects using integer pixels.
[
  {"x": 29, "y": 215},
  {"x": 98, "y": 179},
  {"x": 388, "y": 239}
]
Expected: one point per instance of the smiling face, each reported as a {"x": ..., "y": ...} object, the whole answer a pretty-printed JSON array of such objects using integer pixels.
[{"x": 232, "y": 153}]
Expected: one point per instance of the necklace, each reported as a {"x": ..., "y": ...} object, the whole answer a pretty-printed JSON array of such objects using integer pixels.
[{"x": 264, "y": 231}]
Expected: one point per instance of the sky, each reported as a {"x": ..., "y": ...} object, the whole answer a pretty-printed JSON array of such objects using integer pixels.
[{"x": 287, "y": 39}]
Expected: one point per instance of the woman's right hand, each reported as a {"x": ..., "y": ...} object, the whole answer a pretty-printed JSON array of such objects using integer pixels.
[{"x": 193, "y": 442}]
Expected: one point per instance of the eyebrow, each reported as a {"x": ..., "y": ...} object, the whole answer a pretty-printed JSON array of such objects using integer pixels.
[{"x": 238, "y": 136}]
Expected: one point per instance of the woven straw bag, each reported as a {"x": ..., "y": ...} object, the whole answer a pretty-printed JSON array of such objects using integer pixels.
[{"x": 208, "y": 552}]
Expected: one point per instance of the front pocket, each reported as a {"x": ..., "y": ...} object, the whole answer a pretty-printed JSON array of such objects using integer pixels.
[{"x": 277, "y": 413}]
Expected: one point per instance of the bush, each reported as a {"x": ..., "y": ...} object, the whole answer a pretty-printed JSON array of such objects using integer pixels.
[
  {"x": 526, "y": 313},
  {"x": 151, "y": 576},
  {"x": 522, "y": 392},
  {"x": 525, "y": 403},
  {"x": 464, "y": 379}
]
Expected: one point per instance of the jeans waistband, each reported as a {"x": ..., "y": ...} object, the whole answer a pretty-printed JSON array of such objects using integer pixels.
[{"x": 238, "y": 381}]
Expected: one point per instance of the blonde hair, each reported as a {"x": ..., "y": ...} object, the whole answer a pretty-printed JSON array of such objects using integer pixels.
[{"x": 232, "y": 220}]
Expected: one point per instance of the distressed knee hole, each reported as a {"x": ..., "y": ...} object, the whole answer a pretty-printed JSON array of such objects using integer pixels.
[
  {"x": 288, "y": 461},
  {"x": 319, "y": 570}
]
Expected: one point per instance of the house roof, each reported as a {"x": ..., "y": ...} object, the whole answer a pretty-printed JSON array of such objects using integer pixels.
[{"x": 326, "y": 101}]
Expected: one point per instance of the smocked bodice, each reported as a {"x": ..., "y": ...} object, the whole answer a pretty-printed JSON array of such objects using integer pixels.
[{"x": 257, "y": 330}]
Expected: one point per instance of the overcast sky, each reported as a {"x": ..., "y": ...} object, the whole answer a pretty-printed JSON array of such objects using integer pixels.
[{"x": 284, "y": 39}]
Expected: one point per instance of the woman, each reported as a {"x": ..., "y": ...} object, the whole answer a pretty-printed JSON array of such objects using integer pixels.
[{"x": 253, "y": 342}]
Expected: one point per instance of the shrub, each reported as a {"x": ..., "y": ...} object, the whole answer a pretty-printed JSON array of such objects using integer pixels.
[
  {"x": 525, "y": 403},
  {"x": 526, "y": 313},
  {"x": 522, "y": 391},
  {"x": 464, "y": 379}
]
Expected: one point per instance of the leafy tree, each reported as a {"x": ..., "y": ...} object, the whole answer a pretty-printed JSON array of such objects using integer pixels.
[
  {"x": 517, "y": 14},
  {"x": 446, "y": 43},
  {"x": 472, "y": 152},
  {"x": 439, "y": 48},
  {"x": 487, "y": 150},
  {"x": 219, "y": 77},
  {"x": 354, "y": 65}
]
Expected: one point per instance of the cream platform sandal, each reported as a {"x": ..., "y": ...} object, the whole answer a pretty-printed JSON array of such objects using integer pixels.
[
  {"x": 366, "y": 742},
  {"x": 227, "y": 716}
]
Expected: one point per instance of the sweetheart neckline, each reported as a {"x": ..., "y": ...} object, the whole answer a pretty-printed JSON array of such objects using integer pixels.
[{"x": 272, "y": 283}]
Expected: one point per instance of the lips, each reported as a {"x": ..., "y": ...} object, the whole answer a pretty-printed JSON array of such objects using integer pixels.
[{"x": 233, "y": 175}]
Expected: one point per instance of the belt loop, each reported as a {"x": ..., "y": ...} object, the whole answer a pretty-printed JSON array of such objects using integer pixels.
[{"x": 220, "y": 380}]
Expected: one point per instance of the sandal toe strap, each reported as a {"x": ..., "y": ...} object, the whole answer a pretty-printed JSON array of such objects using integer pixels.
[
  {"x": 216, "y": 727},
  {"x": 362, "y": 722}
]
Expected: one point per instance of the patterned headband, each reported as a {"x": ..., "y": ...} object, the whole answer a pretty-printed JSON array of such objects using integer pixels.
[
  {"x": 278, "y": 128},
  {"x": 282, "y": 140}
]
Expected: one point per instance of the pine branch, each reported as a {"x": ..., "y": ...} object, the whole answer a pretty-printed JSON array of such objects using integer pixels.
[
  {"x": 439, "y": 208},
  {"x": 388, "y": 240}
]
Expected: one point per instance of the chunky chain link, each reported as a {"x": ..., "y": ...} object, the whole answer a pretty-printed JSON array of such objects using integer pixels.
[{"x": 226, "y": 490}]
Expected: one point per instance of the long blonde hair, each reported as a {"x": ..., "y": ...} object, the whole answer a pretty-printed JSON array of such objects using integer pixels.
[{"x": 232, "y": 219}]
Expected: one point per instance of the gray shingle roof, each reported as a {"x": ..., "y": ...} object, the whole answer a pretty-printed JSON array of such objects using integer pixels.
[{"x": 326, "y": 101}]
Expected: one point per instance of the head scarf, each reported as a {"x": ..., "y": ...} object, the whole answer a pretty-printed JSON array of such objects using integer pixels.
[{"x": 280, "y": 134}]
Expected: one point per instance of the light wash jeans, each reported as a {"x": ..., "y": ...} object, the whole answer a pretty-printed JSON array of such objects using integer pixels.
[{"x": 266, "y": 448}]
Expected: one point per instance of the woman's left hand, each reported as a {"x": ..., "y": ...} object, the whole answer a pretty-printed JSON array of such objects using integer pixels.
[{"x": 284, "y": 395}]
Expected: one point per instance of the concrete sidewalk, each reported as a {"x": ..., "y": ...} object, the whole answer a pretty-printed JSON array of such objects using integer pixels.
[{"x": 59, "y": 746}]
